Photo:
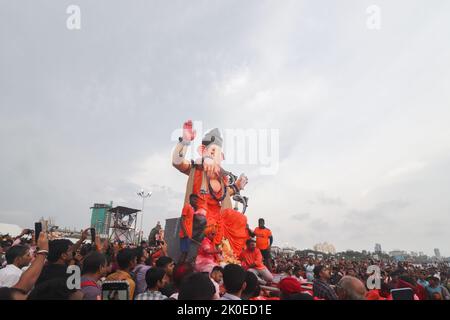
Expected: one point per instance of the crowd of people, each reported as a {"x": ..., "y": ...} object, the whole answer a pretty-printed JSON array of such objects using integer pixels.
[
  {"x": 343, "y": 279},
  {"x": 37, "y": 269}
]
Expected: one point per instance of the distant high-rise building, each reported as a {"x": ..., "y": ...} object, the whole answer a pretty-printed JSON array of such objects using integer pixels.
[
  {"x": 100, "y": 218},
  {"x": 377, "y": 248},
  {"x": 437, "y": 253}
]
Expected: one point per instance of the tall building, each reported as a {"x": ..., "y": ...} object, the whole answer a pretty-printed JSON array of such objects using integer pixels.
[
  {"x": 100, "y": 218},
  {"x": 377, "y": 248},
  {"x": 437, "y": 253}
]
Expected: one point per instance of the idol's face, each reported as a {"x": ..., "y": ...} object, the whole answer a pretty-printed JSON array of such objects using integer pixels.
[{"x": 215, "y": 152}]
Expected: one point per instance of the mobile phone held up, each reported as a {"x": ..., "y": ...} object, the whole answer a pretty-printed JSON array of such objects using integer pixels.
[
  {"x": 402, "y": 294},
  {"x": 37, "y": 230},
  {"x": 115, "y": 290},
  {"x": 92, "y": 231}
]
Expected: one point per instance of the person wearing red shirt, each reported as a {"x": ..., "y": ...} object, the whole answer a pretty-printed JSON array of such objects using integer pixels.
[
  {"x": 264, "y": 241},
  {"x": 161, "y": 251},
  {"x": 252, "y": 260}
]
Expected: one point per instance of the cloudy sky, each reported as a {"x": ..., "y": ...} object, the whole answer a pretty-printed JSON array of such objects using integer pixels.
[{"x": 363, "y": 115}]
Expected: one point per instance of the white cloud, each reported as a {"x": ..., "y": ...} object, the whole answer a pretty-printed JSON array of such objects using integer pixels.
[{"x": 408, "y": 168}]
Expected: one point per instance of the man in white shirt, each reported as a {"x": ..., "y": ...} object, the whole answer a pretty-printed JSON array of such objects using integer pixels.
[
  {"x": 17, "y": 257},
  {"x": 309, "y": 267}
]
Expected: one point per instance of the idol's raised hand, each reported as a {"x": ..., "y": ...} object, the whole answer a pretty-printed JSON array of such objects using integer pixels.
[{"x": 188, "y": 132}]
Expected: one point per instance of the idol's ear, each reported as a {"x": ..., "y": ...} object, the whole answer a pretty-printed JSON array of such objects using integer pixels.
[
  {"x": 223, "y": 156},
  {"x": 201, "y": 149}
]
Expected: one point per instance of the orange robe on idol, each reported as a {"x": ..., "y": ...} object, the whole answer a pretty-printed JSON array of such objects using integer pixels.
[{"x": 229, "y": 223}]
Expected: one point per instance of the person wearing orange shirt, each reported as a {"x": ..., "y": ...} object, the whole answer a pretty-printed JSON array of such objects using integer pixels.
[
  {"x": 186, "y": 226},
  {"x": 252, "y": 260},
  {"x": 264, "y": 241}
]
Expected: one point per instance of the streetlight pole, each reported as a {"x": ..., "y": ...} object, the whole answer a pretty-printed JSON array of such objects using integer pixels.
[{"x": 143, "y": 195}]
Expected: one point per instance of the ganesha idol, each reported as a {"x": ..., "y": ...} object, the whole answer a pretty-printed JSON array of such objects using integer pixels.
[{"x": 210, "y": 183}]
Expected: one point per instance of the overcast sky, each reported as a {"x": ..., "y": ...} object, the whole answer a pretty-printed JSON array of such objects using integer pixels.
[{"x": 86, "y": 116}]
